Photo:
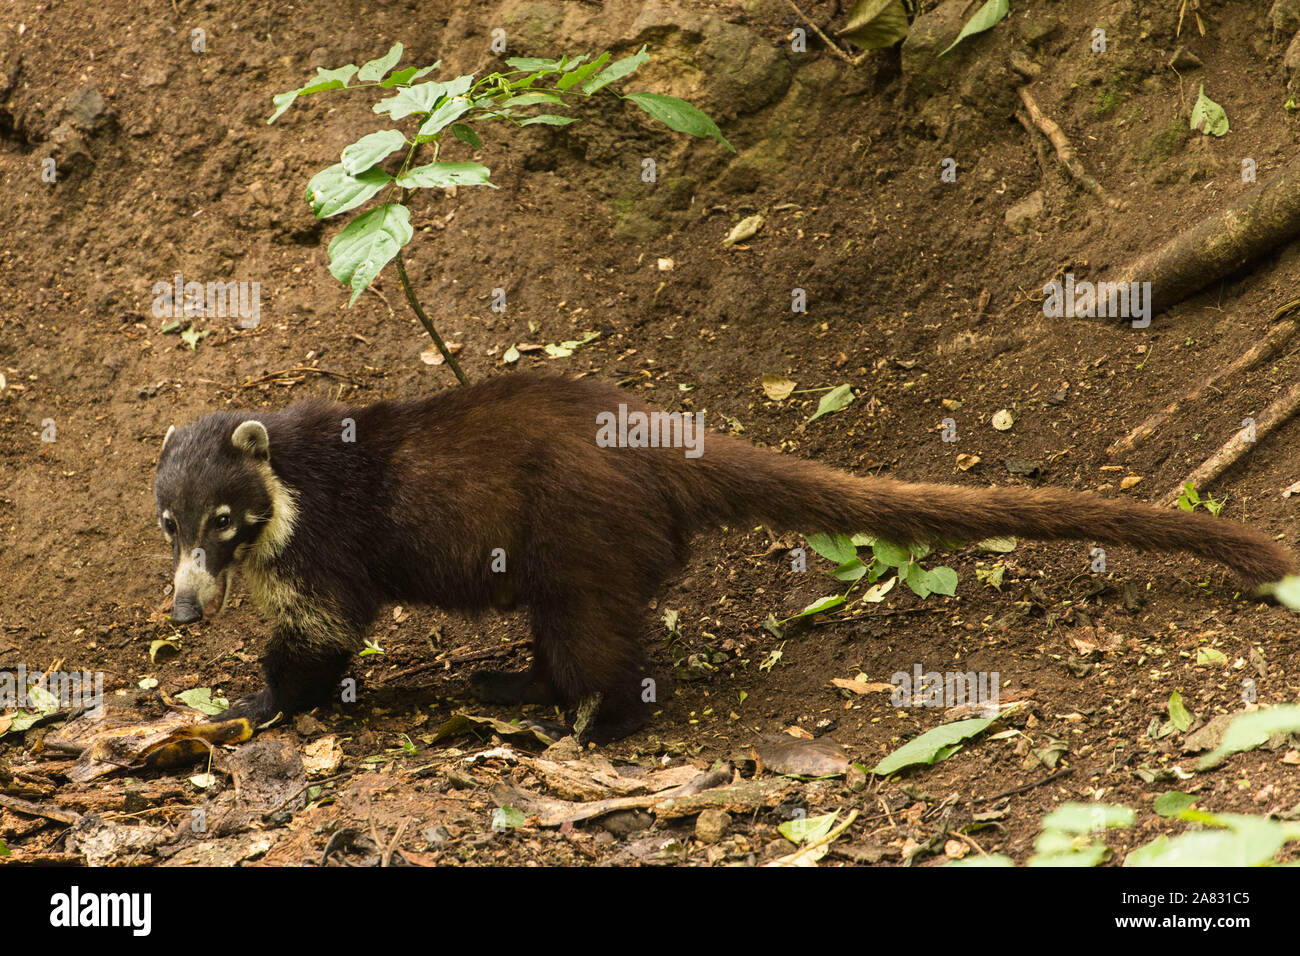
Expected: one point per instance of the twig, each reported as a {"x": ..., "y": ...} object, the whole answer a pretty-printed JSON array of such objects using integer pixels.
[
  {"x": 1236, "y": 447},
  {"x": 57, "y": 814},
  {"x": 1064, "y": 151},
  {"x": 1065, "y": 772},
  {"x": 298, "y": 369},
  {"x": 1262, "y": 351},
  {"x": 834, "y": 47}
]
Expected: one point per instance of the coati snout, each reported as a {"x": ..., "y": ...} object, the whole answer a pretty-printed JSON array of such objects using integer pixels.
[{"x": 330, "y": 511}]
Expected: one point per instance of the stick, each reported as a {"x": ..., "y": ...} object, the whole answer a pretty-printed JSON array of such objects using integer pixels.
[
  {"x": 272, "y": 376},
  {"x": 1064, "y": 151},
  {"x": 1264, "y": 218},
  {"x": 57, "y": 814},
  {"x": 1236, "y": 447},
  {"x": 834, "y": 47},
  {"x": 1262, "y": 351},
  {"x": 1027, "y": 787}
]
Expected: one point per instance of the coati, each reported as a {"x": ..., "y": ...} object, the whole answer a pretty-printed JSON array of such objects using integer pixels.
[{"x": 332, "y": 511}]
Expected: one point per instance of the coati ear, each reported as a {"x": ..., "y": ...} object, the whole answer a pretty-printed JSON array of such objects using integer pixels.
[
  {"x": 170, "y": 429},
  {"x": 251, "y": 438}
]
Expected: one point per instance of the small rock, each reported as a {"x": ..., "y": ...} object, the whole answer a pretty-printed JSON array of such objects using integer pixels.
[
  {"x": 307, "y": 725},
  {"x": 855, "y": 778},
  {"x": 86, "y": 108},
  {"x": 1022, "y": 214},
  {"x": 1036, "y": 29},
  {"x": 712, "y": 825},
  {"x": 624, "y": 823},
  {"x": 566, "y": 748}
]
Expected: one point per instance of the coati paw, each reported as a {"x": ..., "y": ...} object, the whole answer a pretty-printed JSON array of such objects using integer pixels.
[
  {"x": 257, "y": 709},
  {"x": 511, "y": 687}
]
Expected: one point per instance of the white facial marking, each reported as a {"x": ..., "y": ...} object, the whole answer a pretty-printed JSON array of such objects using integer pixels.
[
  {"x": 162, "y": 523},
  {"x": 232, "y": 530}
]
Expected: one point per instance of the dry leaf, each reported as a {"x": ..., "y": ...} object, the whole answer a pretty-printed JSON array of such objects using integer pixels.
[
  {"x": 967, "y": 462},
  {"x": 777, "y": 387}
]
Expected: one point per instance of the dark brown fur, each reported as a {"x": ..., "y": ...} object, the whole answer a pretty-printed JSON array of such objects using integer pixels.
[{"x": 412, "y": 511}]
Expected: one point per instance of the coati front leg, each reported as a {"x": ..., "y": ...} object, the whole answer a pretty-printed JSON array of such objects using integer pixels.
[{"x": 302, "y": 671}]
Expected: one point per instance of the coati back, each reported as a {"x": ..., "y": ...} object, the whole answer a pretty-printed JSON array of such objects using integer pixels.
[{"x": 499, "y": 494}]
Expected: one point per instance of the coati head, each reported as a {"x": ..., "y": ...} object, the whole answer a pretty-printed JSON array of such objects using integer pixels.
[{"x": 219, "y": 503}]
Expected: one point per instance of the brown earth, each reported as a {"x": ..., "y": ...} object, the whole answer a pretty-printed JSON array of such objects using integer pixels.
[{"x": 917, "y": 290}]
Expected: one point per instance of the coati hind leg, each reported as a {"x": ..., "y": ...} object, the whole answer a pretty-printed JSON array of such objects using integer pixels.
[
  {"x": 593, "y": 648},
  {"x": 533, "y": 686},
  {"x": 302, "y": 671}
]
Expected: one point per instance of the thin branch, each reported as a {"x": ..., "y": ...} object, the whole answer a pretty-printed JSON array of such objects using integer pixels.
[
  {"x": 418, "y": 309},
  {"x": 1064, "y": 151}
]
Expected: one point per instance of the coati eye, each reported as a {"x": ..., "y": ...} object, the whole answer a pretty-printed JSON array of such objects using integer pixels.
[
  {"x": 221, "y": 522},
  {"x": 169, "y": 526}
]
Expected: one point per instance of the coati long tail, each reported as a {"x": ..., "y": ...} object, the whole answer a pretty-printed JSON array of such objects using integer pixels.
[{"x": 740, "y": 480}]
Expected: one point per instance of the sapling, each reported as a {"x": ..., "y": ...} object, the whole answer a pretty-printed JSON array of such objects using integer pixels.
[{"x": 437, "y": 113}]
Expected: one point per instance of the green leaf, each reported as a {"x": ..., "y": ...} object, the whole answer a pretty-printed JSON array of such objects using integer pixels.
[
  {"x": 441, "y": 175},
  {"x": 985, "y": 18},
  {"x": 507, "y": 818},
  {"x": 4, "y": 850},
  {"x": 807, "y": 829},
  {"x": 928, "y": 747},
  {"x": 678, "y": 115},
  {"x": 447, "y": 113},
  {"x": 892, "y": 555},
  {"x": 833, "y": 547},
  {"x": 423, "y": 97},
  {"x": 821, "y": 605},
  {"x": 574, "y": 77},
  {"x": 941, "y": 580},
  {"x": 549, "y": 119},
  {"x": 332, "y": 190},
  {"x": 876, "y": 24},
  {"x": 1249, "y": 730},
  {"x": 408, "y": 76},
  {"x": 1208, "y": 117},
  {"x": 282, "y": 102},
  {"x": 466, "y": 135},
  {"x": 849, "y": 571},
  {"x": 532, "y": 98},
  {"x": 616, "y": 71},
  {"x": 325, "y": 80},
  {"x": 1287, "y": 591},
  {"x": 329, "y": 79},
  {"x": 370, "y": 149},
  {"x": 201, "y": 699},
  {"x": 1179, "y": 715},
  {"x": 992, "y": 859},
  {"x": 1248, "y": 841},
  {"x": 835, "y": 400},
  {"x": 367, "y": 244},
  {"x": 1209, "y": 656},
  {"x": 1088, "y": 817},
  {"x": 1172, "y": 803},
  {"x": 528, "y": 64},
  {"x": 375, "y": 69}
]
